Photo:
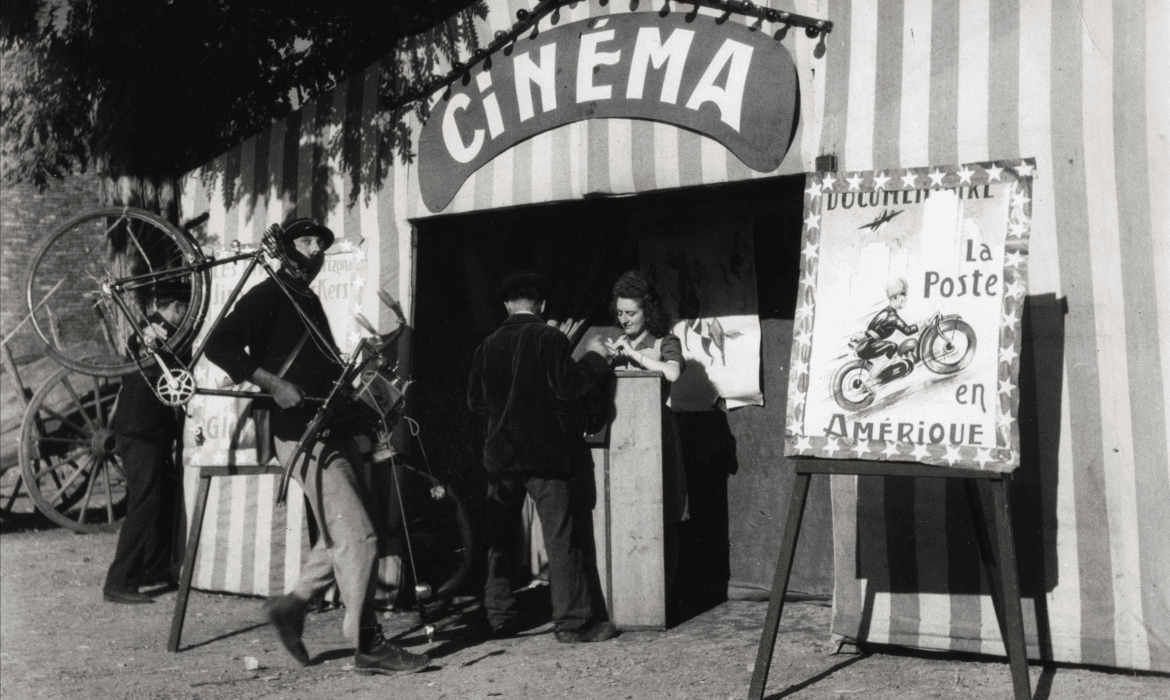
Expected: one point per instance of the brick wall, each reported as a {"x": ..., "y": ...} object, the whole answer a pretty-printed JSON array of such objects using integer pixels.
[{"x": 25, "y": 217}]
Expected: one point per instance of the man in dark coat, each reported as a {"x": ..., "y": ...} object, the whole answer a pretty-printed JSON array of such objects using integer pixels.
[
  {"x": 522, "y": 381},
  {"x": 146, "y": 430}
]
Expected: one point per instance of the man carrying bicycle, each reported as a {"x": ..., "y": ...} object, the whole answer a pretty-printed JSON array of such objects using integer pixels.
[{"x": 288, "y": 351}]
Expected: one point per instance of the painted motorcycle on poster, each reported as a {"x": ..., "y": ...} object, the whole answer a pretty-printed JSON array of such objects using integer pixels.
[{"x": 945, "y": 345}]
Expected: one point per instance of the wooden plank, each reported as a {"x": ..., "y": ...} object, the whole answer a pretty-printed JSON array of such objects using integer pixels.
[
  {"x": 638, "y": 572},
  {"x": 601, "y": 513}
]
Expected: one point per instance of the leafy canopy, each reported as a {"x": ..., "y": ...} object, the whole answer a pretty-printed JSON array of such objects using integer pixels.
[{"x": 153, "y": 88}]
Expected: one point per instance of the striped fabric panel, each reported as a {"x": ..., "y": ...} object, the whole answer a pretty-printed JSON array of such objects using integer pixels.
[
  {"x": 903, "y": 83},
  {"x": 975, "y": 80}
]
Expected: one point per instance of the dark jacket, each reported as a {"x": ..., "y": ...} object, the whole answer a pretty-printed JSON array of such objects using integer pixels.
[
  {"x": 261, "y": 331},
  {"x": 523, "y": 379},
  {"x": 140, "y": 415}
]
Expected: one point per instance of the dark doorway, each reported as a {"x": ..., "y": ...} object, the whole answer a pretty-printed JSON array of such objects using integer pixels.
[{"x": 583, "y": 246}]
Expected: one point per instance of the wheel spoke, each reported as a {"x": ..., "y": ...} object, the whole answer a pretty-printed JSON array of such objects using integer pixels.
[
  {"x": 64, "y": 441},
  {"x": 77, "y": 400},
  {"x": 65, "y": 460},
  {"x": 85, "y": 501},
  {"x": 68, "y": 482},
  {"x": 97, "y": 402},
  {"x": 15, "y": 492},
  {"x": 103, "y": 465},
  {"x": 134, "y": 237},
  {"x": 65, "y": 421}
]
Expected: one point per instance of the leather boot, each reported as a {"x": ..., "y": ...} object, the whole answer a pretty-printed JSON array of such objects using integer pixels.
[
  {"x": 287, "y": 616},
  {"x": 376, "y": 654}
]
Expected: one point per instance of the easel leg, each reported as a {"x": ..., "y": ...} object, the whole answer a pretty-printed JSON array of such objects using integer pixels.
[
  {"x": 779, "y": 586},
  {"x": 987, "y": 556},
  {"x": 188, "y": 565},
  {"x": 1003, "y": 577},
  {"x": 1010, "y": 590}
]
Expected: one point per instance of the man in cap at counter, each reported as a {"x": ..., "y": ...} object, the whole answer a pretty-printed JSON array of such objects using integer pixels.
[
  {"x": 264, "y": 340},
  {"x": 523, "y": 378}
]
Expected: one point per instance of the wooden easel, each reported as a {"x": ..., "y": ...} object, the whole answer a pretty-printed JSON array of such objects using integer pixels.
[
  {"x": 999, "y": 561},
  {"x": 206, "y": 474}
]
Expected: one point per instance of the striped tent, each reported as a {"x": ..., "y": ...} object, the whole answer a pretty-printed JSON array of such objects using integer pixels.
[{"x": 904, "y": 83}]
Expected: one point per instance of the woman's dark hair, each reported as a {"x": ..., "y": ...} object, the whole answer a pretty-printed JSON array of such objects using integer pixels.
[{"x": 638, "y": 286}]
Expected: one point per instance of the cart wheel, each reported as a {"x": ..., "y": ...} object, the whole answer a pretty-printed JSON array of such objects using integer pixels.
[{"x": 67, "y": 455}]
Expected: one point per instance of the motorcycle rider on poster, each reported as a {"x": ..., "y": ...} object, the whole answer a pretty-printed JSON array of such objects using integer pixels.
[{"x": 874, "y": 344}]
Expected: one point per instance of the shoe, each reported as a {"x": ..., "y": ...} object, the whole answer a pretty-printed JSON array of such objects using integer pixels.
[
  {"x": 592, "y": 632},
  {"x": 287, "y": 616},
  {"x": 126, "y": 596},
  {"x": 387, "y": 658}
]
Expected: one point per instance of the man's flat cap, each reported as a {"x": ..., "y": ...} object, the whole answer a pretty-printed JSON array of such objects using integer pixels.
[
  {"x": 307, "y": 227},
  {"x": 520, "y": 280}
]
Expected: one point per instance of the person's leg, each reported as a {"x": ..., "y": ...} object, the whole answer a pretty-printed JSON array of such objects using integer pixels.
[
  {"x": 139, "y": 464},
  {"x": 159, "y": 544},
  {"x": 335, "y": 492},
  {"x": 503, "y": 509},
  {"x": 354, "y": 550},
  {"x": 572, "y": 605},
  {"x": 330, "y": 483},
  {"x": 880, "y": 354}
]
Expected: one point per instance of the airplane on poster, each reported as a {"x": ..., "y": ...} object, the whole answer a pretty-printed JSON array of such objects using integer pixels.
[{"x": 884, "y": 218}]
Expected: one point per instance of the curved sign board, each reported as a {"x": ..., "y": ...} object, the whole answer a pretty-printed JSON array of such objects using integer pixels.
[{"x": 724, "y": 81}]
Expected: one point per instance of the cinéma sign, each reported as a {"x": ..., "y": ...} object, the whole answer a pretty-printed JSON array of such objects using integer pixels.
[
  {"x": 906, "y": 342},
  {"x": 724, "y": 81}
]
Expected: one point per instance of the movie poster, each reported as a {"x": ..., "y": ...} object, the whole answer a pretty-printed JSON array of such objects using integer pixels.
[{"x": 906, "y": 339}]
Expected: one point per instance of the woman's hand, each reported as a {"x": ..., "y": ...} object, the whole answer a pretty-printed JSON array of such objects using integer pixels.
[{"x": 622, "y": 348}]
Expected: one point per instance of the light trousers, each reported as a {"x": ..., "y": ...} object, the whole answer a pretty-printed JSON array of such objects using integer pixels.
[{"x": 334, "y": 491}]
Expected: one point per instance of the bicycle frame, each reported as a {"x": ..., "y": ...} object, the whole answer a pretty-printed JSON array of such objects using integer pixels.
[{"x": 258, "y": 258}]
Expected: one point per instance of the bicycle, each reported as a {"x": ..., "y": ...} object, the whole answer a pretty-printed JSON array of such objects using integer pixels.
[{"x": 89, "y": 294}]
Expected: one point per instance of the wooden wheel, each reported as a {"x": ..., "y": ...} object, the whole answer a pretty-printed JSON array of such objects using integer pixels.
[{"x": 67, "y": 457}]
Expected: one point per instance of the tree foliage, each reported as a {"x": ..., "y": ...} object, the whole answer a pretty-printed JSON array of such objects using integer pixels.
[{"x": 150, "y": 89}]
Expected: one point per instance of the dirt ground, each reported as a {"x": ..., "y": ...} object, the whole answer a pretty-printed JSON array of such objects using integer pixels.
[{"x": 59, "y": 639}]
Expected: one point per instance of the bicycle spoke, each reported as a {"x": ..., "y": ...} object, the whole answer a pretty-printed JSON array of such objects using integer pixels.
[
  {"x": 134, "y": 237},
  {"x": 77, "y": 400},
  {"x": 107, "y": 331}
]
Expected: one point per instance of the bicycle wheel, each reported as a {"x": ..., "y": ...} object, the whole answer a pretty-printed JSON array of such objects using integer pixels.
[
  {"x": 76, "y": 310},
  {"x": 67, "y": 458},
  {"x": 437, "y": 529}
]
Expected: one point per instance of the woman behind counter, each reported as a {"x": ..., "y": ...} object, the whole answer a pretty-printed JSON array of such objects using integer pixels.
[{"x": 646, "y": 343}]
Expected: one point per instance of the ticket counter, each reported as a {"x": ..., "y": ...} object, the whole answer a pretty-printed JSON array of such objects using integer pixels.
[{"x": 627, "y": 518}]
